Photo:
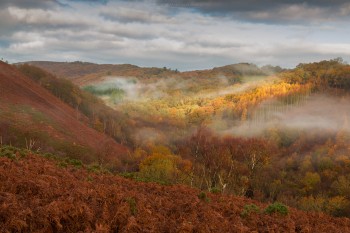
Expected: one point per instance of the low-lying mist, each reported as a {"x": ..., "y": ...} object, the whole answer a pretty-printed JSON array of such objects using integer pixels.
[
  {"x": 320, "y": 112},
  {"x": 314, "y": 113},
  {"x": 135, "y": 89}
]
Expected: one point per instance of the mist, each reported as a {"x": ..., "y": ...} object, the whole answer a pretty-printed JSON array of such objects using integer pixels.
[
  {"x": 137, "y": 89},
  {"x": 247, "y": 83},
  {"x": 325, "y": 113}
]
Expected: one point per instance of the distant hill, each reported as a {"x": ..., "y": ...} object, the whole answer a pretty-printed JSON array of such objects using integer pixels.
[
  {"x": 31, "y": 116},
  {"x": 83, "y": 73},
  {"x": 37, "y": 195}
]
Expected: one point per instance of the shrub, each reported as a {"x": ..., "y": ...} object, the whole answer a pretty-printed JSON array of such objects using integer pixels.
[
  {"x": 98, "y": 169},
  {"x": 203, "y": 196},
  {"x": 251, "y": 208},
  {"x": 62, "y": 164},
  {"x": 90, "y": 179},
  {"x": 277, "y": 208},
  {"x": 215, "y": 190},
  {"x": 12, "y": 152},
  {"x": 128, "y": 175},
  {"x": 75, "y": 162},
  {"x": 132, "y": 204}
]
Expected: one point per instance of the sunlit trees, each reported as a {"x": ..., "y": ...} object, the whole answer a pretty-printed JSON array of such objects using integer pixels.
[{"x": 163, "y": 167}]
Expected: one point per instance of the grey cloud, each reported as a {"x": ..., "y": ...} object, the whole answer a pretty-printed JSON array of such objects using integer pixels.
[
  {"x": 91, "y": 1},
  {"x": 8, "y": 24},
  {"x": 28, "y": 3},
  {"x": 247, "y": 5},
  {"x": 44, "y": 4},
  {"x": 269, "y": 11},
  {"x": 149, "y": 34}
]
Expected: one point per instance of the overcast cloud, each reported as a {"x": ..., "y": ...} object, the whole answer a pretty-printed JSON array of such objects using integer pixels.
[{"x": 182, "y": 34}]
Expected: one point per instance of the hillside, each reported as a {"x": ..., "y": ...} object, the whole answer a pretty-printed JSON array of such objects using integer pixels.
[
  {"x": 84, "y": 73},
  {"x": 37, "y": 195},
  {"x": 32, "y": 117},
  {"x": 100, "y": 117}
]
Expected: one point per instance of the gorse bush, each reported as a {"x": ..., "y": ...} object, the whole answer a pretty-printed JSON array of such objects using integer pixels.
[
  {"x": 203, "y": 196},
  {"x": 215, "y": 190},
  {"x": 277, "y": 208},
  {"x": 248, "y": 209},
  {"x": 12, "y": 152}
]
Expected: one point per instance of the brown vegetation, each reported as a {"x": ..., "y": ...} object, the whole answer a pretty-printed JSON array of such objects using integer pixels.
[{"x": 38, "y": 196}]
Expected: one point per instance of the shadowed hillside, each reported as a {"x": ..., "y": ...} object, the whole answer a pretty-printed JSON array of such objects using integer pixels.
[
  {"x": 32, "y": 117},
  {"x": 100, "y": 117}
]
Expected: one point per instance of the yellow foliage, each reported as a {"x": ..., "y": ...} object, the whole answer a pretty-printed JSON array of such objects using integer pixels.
[
  {"x": 311, "y": 180},
  {"x": 311, "y": 203},
  {"x": 336, "y": 205},
  {"x": 160, "y": 149},
  {"x": 165, "y": 168}
]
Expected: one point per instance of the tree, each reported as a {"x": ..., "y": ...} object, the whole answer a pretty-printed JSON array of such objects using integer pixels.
[
  {"x": 310, "y": 181},
  {"x": 165, "y": 168}
]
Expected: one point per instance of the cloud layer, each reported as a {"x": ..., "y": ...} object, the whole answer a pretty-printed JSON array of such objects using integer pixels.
[{"x": 184, "y": 35}]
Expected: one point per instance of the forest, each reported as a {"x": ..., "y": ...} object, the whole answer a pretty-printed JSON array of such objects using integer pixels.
[{"x": 266, "y": 133}]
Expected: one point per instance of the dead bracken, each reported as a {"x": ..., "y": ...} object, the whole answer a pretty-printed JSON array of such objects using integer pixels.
[{"x": 38, "y": 195}]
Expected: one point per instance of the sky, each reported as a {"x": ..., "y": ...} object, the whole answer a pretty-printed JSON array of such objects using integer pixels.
[{"x": 178, "y": 34}]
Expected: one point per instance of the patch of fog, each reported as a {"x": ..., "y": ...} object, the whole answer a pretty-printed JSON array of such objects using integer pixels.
[
  {"x": 234, "y": 89},
  {"x": 321, "y": 112},
  {"x": 148, "y": 135},
  {"x": 133, "y": 88},
  {"x": 136, "y": 90},
  {"x": 248, "y": 83}
]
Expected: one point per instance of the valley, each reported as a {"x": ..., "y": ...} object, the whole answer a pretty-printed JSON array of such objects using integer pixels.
[
  {"x": 267, "y": 133},
  {"x": 262, "y": 135}
]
